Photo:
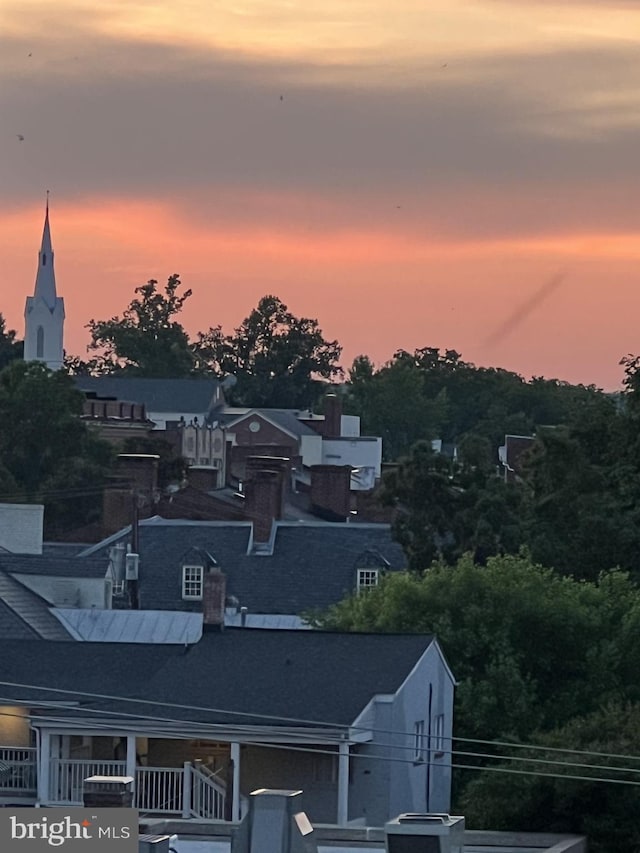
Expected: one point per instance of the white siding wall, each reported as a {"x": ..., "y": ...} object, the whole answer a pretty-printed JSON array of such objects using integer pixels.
[
  {"x": 311, "y": 449},
  {"x": 21, "y": 528},
  {"x": 70, "y": 592},
  {"x": 357, "y": 452}
]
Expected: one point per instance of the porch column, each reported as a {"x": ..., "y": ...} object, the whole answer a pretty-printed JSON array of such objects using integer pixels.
[
  {"x": 131, "y": 762},
  {"x": 43, "y": 768},
  {"x": 235, "y": 803},
  {"x": 343, "y": 783}
]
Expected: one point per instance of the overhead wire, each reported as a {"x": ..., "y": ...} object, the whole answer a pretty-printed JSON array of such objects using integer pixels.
[{"x": 244, "y": 731}]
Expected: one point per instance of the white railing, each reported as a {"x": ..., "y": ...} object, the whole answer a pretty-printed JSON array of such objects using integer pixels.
[
  {"x": 67, "y": 775},
  {"x": 160, "y": 789},
  {"x": 190, "y": 791},
  {"x": 208, "y": 794},
  {"x": 18, "y": 769}
]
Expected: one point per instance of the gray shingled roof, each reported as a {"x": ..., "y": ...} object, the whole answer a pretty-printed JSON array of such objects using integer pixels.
[
  {"x": 158, "y": 395},
  {"x": 24, "y": 613},
  {"x": 313, "y": 564},
  {"x": 285, "y": 418},
  {"x": 312, "y": 676},
  {"x": 58, "y": 566}
]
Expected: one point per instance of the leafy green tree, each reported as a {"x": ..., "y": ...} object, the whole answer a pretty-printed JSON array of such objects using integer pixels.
[
  {"x": 531, "y": 649},
  {"x": 446, "y": 508},
  {"x": 431, "y": 393},
  {"x": 279, "y": 360},
  {"x": 583, "y": 483},
  {"x": 147, "y": 340},
  {"x": 10, "y": 347},
  {"x": 531, "y": 799},
  {"x": 393, "y": 404},
  {"x": 47, "y": 453}
]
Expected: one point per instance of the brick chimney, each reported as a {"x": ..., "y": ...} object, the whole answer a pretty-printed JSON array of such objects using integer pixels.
[
  {"x": 332, "y": 416},
  {"x": 214, "y": 594},
  {"x": 331, "y": 491},
  {"x": 263, "y": 502}
]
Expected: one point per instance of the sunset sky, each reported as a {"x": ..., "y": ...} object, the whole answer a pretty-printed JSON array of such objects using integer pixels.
[{"x": 410, "y": 172}]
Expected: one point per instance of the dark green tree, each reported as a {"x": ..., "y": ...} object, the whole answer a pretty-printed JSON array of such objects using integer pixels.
[
  {"x": 531, "y": 649},
  {"x": 47, "y": 453},
  {"x": 10, "y": 347},
  {"x": 147, "y": 340},
  {"x": 582, "y": 480},
  {"x": 448, "y": 507},
  {"x": 392, "y": 403},
  {"x": 278, "y": 359},
  {"x": 531, "y": 799}
]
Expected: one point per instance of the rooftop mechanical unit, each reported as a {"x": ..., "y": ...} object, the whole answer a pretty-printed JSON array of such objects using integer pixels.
[
  {"x": 425, "y": 833},
  {"x": 274, "y": 824}
]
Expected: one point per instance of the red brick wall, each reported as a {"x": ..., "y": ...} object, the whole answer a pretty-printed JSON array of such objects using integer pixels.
[{"x": 331, "y": 489}]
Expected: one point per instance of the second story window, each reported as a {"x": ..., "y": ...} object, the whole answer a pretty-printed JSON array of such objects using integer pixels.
[
  {"x": 192, "y": 583},
  {"x": 438, "y": 735},
  {"x": 418, "y": 741},
  {"x": 367, "y": 579}
]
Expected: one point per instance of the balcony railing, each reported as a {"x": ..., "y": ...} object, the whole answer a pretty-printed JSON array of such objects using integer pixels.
[
  {"x": 189, "y": 791},
  {"x": 18, "y": 771}
]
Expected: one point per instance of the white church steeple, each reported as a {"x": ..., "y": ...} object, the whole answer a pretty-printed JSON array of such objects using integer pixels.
[{"x": 44, "y": 311}]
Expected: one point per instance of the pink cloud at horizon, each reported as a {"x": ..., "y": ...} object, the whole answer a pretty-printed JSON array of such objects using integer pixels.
[{"x": 375, "y": 292}]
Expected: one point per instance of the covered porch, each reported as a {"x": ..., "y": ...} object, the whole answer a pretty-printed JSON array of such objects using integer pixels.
[{"x": 176, "y": 776}]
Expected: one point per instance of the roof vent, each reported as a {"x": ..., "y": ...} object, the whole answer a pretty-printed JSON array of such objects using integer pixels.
[{"x": 425, "y": 833}]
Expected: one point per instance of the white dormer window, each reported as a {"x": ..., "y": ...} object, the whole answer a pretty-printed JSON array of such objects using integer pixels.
[
  {"x": 192, "y": 583},
  {"x": 367, "y": 579}
]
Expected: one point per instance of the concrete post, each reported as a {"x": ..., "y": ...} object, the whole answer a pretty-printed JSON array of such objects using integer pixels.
[
  {"x": 343, "y": 784},
  {"x": 235, "y": 757},
  {"x": 44, "y": 768},
  {"x": 186, "y": 790}
]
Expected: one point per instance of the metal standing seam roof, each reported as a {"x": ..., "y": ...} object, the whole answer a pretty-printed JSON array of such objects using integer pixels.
[{"x": 130, "y": 626}]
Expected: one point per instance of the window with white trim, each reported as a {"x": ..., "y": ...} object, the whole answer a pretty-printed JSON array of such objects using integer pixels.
[
  {"x": 117, "y": 587},
  {"x": 418, "y": 741},
  {"x": 438, "y": 734},
  {"x": 192, "y": 582},
  {"x": 367, "y": 579}
]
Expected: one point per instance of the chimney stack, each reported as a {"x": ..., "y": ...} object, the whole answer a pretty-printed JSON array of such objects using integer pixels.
[
  {"x": 265, "y": 489},
  {"x": 214, "y": 594},
  {"x": 331, "y": 491},
  {"x": 332, "y": 416}
]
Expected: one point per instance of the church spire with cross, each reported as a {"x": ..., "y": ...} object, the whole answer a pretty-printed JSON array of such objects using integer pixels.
[{"x": 44, "y": 311}]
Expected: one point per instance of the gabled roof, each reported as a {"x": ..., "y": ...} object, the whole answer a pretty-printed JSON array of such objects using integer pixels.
[
  {"x": 312, "y": 565},
  {"x": 188, "y": 396},
  {"x": 244, "y": 676},
  {"x": 285, "y": 419}
]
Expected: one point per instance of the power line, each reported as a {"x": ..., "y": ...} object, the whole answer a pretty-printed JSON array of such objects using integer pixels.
[
  {"x": 288, "y": 747},
  {"x": 214, "y": 729}
]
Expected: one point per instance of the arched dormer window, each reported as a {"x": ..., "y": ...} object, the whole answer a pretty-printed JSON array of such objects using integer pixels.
[
  {"x": 44, "y": 259},
  {"x": 40, "y": 342}
]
